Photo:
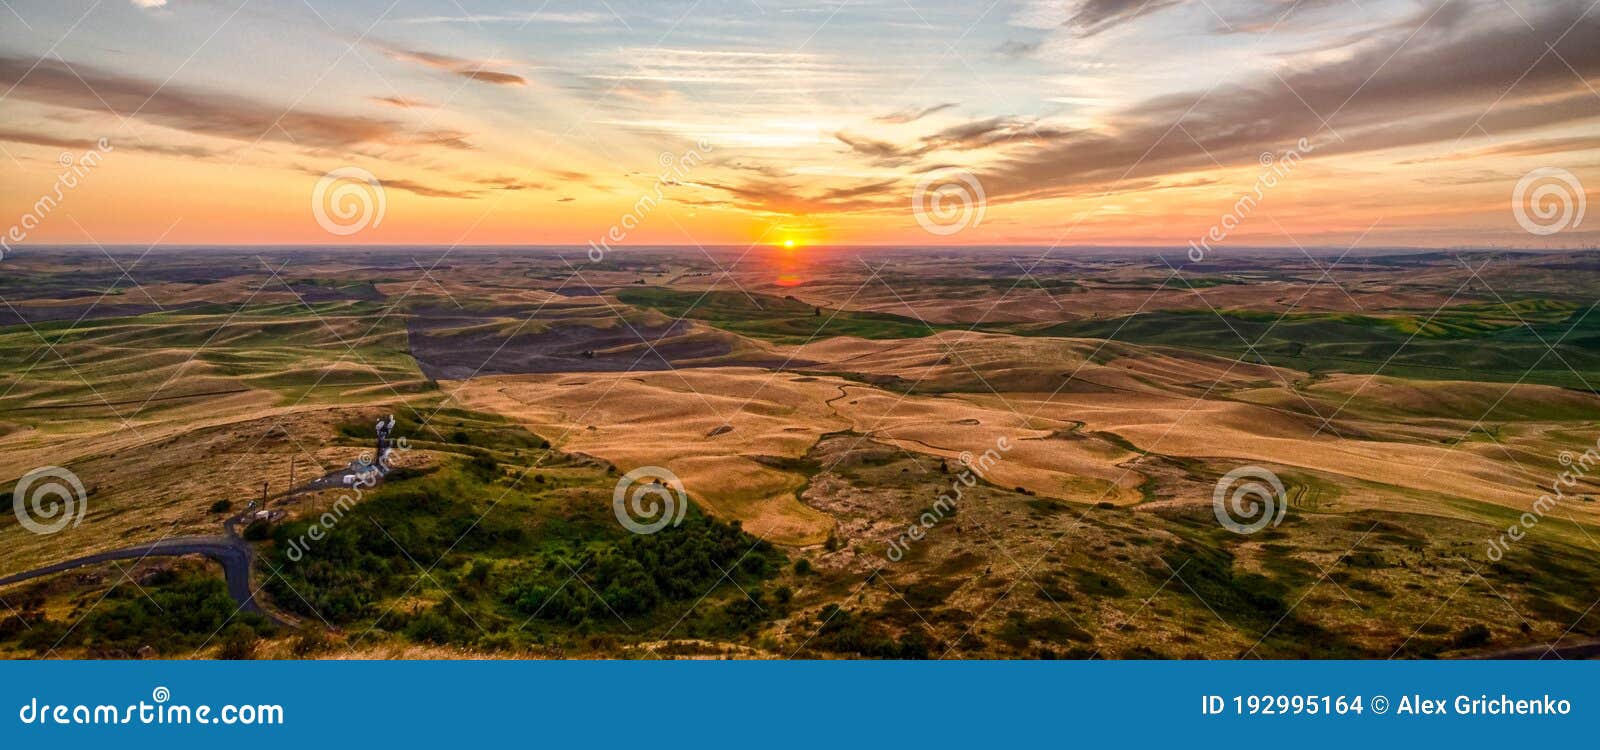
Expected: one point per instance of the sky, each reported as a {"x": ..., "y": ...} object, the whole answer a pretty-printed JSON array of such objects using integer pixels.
[{"x": 1326, "y": 123}]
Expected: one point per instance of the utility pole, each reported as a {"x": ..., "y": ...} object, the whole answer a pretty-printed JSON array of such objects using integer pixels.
[{"x": 263, "y": 495}]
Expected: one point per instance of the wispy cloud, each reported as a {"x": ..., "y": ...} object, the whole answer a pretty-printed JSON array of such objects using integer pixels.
[
  {"x": 734, "y": 67},
  {"x": 782, "y": 197},
  {"x": 967, "y": 136},
  {"x": 912, "y": 115},
  {"x": 1537, "y": 147},
  {"x": 577, "y": 18},
  {"x": 411, "y": 186},
  {"x": 202, "y": 112},
  {"x": 477, "y": 70},
  {"x": 1015, "y": 48},
  {"x": 84, "y": 144},
  {"x": 403, "y": 102},
  {"x": 1092, "y": 17},
  {"x": 428, "y": 191},
  {"x": 509, "y": 183}
]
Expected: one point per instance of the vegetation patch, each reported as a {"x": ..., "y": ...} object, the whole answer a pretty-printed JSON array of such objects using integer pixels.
[{"x": 781, "y": 320}]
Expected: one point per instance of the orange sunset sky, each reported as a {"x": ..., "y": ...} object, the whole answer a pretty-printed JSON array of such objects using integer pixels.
[{"x": 1080, "y": 122}]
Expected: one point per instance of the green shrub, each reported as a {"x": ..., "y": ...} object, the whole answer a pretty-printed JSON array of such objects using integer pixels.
[
  {"x": 238, "y": 644},
  {"x": 1472, "y": 636}
]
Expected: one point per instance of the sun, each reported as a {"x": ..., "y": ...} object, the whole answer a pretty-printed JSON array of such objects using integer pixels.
[{"x": 788, "y": 244}]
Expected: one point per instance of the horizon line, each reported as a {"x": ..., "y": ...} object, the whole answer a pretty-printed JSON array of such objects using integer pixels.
[{"x": 692, "y": 246}]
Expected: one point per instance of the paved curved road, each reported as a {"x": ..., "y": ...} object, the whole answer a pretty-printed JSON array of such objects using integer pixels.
[{"x": 233, "y": 553}]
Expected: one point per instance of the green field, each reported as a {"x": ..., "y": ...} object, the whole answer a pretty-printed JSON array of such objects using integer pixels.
[
  {"x": 1468, "y": 342},
  {"x": 781, "y": 320},
  {"x": 292, "y": 349}
]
